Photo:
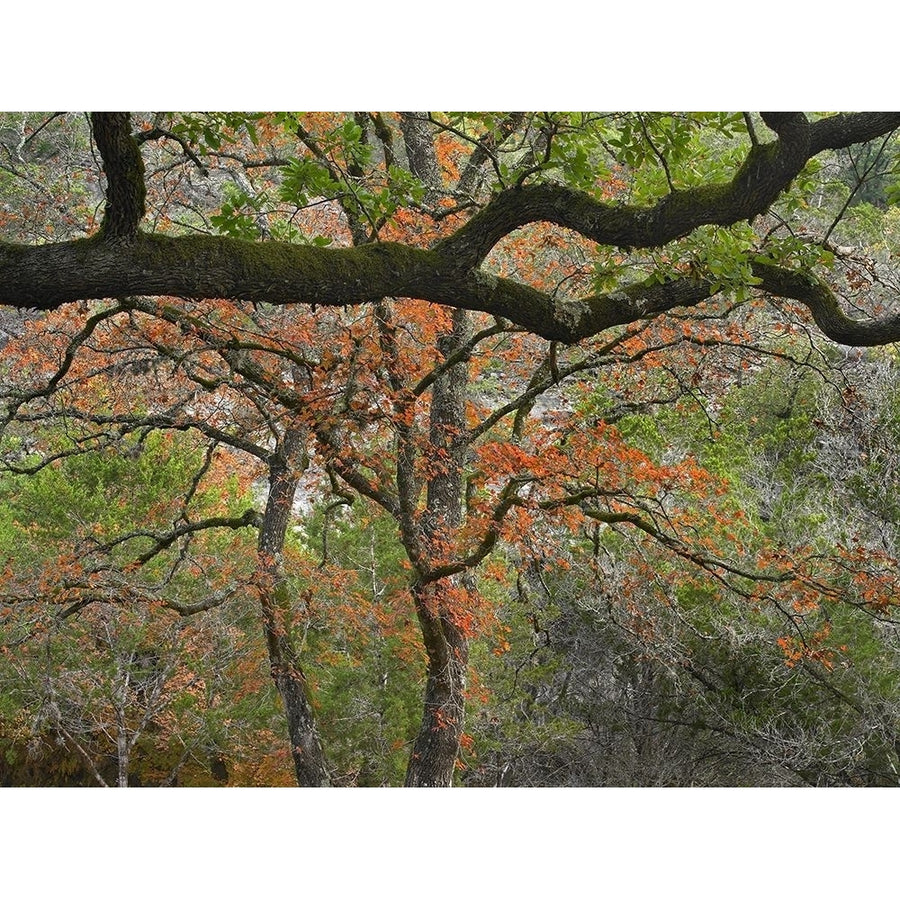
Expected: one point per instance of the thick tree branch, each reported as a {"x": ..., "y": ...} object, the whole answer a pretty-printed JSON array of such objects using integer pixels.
[
  {"x": 49, "y": 275},
  {"x": 826, "y": 311},
  {"x": 207, "y": 268},
  {"x": 122, "y": 262},
  {"x": 766, "y": 172},
  {"x": 846, "y": 129},
  {"x": 125, "y": 189}
]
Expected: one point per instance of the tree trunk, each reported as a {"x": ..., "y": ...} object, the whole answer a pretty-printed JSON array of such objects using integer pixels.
[
  {"x": 122, "y": 754},
  {"x": 433, "y": 759},
  {"x": 278, "y": 620},
  {"x": 437, "y": 746}
]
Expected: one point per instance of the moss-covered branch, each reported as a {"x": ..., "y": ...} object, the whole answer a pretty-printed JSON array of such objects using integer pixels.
[
  {"x": 124, "y": 167},
  {"x": 766, "y": 172},
  {"x": 826, "y": 311},
  {"x": 123, "y": 262}
]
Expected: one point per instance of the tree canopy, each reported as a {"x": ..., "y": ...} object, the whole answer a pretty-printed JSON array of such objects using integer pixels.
[{"x": 454, "y": 402}]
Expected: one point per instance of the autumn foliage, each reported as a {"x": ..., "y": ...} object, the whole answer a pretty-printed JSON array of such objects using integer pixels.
[{"x": 221, "y": 515}]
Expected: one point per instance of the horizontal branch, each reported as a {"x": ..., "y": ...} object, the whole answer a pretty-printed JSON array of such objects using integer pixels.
[
  {"x": 822, "y": 302},
  {"x": 121, "y": 262},
  {"x": 205, "y": 268}
]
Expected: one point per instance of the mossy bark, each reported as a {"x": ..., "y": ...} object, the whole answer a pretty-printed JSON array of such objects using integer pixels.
[
  {"x": 126, "y": 190},
  {"x": 122, "y": 262}
]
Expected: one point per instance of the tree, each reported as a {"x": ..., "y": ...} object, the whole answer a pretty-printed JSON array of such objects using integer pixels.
[
  {"x": 101, "y": 683},
  {"x": 356, "y": 365},
  {"x": 121, "y": 261},
  {"x": 677, "y": 680}
]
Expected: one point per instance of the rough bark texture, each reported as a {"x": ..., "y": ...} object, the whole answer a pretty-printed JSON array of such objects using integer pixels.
[
  {"x": 419, "y": 144},
  {"x": 818, "y": 297},
  {"x": 275, "y": 601},
  {"x": 434, "y": 754},
  {"x": 433, "y": 758},
  {"x": 46, "y": 276},
  {"x": 124, "y": 168}
]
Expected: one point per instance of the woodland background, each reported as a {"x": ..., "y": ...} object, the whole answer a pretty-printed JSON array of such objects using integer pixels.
[
  {"x": 678, "y": 537},
  {"x": 765, "y": 62}
]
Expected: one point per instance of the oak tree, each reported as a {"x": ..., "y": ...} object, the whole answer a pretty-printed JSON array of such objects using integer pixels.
[{"x": 337, "y": 314}]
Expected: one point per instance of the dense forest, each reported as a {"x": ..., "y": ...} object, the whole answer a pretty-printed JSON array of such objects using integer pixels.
[{"x": 488, "y": 449}]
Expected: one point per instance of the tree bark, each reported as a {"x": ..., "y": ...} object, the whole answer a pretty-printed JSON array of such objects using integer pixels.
[
  {"x": 278, "y": 621},
  {"x": 124, "y": 167},
  {"x": 122, "y": 262},
  {"x": 433, "y": 759},
  {"x": 419, "y": 143}
]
